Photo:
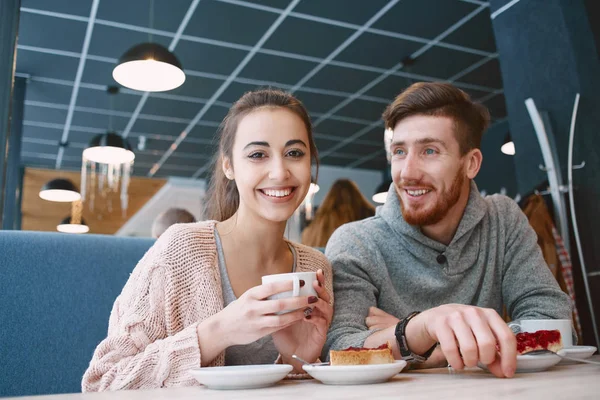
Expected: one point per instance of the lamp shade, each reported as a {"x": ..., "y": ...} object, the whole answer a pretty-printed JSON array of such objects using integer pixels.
[
  {"x": 109, "y": 148},
  {"x": 66, "y": 226},
  {"x": 60, "y": 190},
  {"x": 381, "y": 192},
  {"x": 149, "y": 67},
  {"x": 508, "y": 147}
]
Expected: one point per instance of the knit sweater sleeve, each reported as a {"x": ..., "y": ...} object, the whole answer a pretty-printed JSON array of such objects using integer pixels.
[
  {"x": 146, "y": 345},
  {"x": 528, "y": 288},
  {"x": 355, "y": 291}
]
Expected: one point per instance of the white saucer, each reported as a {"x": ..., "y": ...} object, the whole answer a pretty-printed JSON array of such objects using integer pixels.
[
  {"x": 241, "y": 376},
  {"x": 354, "y": 374},
  {"x": 581, "y": 352},
  {"x": 534, "y": 363}
]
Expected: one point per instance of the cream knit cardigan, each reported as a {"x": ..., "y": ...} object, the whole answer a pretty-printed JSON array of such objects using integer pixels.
[{"x": 152, "y": 340}]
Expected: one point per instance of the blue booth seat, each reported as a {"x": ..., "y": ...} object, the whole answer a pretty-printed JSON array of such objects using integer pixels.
[{"x": 56, "y": 294}]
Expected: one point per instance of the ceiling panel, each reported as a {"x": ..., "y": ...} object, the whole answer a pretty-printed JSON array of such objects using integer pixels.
[
  {"x": 378, "y": 51},
  {"x": 208, "y": 21},
  {"x": 308, "y": 38},
  {"x": 216, "y": 40}
]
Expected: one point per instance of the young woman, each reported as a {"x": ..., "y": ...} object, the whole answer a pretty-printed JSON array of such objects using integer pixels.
[
  {"x": 196, "y": 298},
  {"x": 343, "y": 203}
]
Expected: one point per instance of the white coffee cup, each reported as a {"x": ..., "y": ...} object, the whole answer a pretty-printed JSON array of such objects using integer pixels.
[
  {"x": 306, "y": 290},
  {"x": 533, "y": 325}
]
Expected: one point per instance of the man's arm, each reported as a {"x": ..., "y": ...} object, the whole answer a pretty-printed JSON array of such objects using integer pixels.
[
  {"x": 352, "y": 262},
  {"x": 528, "y": 288}
]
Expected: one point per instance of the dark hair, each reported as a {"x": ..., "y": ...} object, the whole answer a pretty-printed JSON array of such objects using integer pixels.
[
  {"x": 444, "y": 100},
  {"x": 343, "y": 203},
  {"x": 223, "y": 198}
]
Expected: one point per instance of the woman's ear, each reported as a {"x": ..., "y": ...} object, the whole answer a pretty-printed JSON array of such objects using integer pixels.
[{"x": 227, "y": 168}]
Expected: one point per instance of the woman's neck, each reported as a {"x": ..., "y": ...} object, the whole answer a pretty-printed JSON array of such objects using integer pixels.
[{"x": 262, "y": 241}]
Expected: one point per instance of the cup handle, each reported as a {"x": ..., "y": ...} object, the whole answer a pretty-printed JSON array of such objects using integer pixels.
[{"x": 296, "y": 290}]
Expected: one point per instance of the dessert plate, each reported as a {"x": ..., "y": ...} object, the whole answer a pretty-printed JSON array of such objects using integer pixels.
[
  {"x": 354, "y": 374},
  {"x": 581, "y": 352},
  {"x": 534, "y": 362},
  {"x": 241, "y": 376}
]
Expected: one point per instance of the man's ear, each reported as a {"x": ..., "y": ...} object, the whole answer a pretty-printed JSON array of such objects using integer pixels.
[{"x": 474, "y": 158}]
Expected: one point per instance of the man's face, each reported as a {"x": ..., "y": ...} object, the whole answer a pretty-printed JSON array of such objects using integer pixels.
[{"x": 427, "y": 168}]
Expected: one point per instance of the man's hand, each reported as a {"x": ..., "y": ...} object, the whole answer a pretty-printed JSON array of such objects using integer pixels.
[
  {"x": 467, "y": 335},
  {"x": 379, "y": 319}
]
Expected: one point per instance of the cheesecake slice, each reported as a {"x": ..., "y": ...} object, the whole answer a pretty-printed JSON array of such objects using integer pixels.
[
  {"x": 539, "y": 340},
  {"x": 362, "y": 356}
]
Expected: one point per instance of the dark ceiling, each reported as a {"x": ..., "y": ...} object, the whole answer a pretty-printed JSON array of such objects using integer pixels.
[{"x": 343, "y": 59}]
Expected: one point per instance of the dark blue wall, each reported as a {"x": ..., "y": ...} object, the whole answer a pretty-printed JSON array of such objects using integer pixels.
[
  {"x": 547, "y": 51},
  {"x": 498, "y": 169}
]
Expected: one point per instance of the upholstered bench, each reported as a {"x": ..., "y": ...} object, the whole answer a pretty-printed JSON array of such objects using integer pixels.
[{"x": 56, "y": 294}]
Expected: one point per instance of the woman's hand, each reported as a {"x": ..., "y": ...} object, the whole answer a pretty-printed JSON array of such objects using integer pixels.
[
  {"x": 307, "y": 337},
  {"x": 379, "y": 319},
  {"x": 249, "y": 318}
]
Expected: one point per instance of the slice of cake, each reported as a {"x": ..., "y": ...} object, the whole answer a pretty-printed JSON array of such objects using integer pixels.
[
  {"x": 539, "y": 340},
  {"x": 362, "y": 356}
]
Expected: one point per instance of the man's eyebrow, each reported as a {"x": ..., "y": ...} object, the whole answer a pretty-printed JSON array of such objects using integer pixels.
[{"x": 427, "y": 140}]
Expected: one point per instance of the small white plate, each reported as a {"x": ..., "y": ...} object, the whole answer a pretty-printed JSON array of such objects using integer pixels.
[
  {"x": 534, "y": 362},
  {"x": 581, "y": 352},
  {"x": 354, "y": 374},
  {"x": 241, "y": 376}
]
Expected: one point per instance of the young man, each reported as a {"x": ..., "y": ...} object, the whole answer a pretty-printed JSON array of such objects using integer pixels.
[{"x": 438, "y": 262}]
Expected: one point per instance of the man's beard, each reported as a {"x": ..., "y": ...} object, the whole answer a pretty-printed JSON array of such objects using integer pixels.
[{"x": 432, "y": 215}]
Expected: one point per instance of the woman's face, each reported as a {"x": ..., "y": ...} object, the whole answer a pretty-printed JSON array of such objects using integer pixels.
[{"x": 270, "y": 163}]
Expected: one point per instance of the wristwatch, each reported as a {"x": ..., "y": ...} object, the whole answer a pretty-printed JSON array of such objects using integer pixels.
[{"x": 400, "y": 332}]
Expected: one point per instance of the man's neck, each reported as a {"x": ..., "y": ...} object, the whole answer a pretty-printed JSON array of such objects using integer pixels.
[{"x": 445, "y": 230}]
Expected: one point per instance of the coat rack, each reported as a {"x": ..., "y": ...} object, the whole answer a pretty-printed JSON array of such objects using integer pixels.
[{"x": 541, "y": 124}]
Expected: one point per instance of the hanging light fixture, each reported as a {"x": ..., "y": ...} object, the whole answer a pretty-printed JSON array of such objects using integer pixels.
[
  {"x": 109, "y": 148},
  {"x": 67, "y": 226},
  {"x": 508, "y": 147},
  {"x": 380, "y": 195},
  {"x": 74, "y": 223},
  {"x": 381, "y": 192},
  {"x": 106, "y": 169},
  {"x": 149, "y": 67},
  {"x": 60, "y": 190},
  {"x": 308, "y": 200}
]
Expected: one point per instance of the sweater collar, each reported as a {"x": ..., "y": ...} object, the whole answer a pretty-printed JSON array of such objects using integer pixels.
[{"x": 392, "y": 214}]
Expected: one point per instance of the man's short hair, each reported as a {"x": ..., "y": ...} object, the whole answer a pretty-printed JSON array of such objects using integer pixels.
[
  {"x": 170, "y": 217},
  {"x": 442, "y": 100}
]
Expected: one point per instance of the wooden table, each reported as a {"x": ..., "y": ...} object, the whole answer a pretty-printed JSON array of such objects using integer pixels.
[{"x": 581, "y": 381}]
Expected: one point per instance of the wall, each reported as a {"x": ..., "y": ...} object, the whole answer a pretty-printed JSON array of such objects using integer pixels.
[
  {"x": 498, "y": 169},
  {"x": 42, "y": 215}
]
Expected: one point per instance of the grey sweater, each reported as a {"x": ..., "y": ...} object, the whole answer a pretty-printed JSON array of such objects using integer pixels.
[{"x": 493, "y": 260}]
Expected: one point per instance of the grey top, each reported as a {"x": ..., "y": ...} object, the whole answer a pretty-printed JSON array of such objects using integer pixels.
[
  {"x": 493, "y": 260},
  {"x": 262, "y": 351}
]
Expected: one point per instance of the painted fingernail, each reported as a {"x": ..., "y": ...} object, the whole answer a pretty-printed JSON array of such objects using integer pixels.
[
  {"x": 308, "y": 317},
  {"x": 302, "y": 283},
  {"x": 308, "y": 311},
  {"x": 312, "y": 299}
]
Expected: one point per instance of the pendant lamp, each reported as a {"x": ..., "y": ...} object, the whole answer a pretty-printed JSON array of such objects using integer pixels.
[
  {"x": 381, "y": 192},
  {"x": 149, "y": 67},
  {"x": 60, "y": 190},
  {"x": 380, "y": 195},
  {"x": 109, "y": 148},
  {"x": 508, "y": 147},
  {"x": 74, "y": 223},
  {"x": 69, "y": 226},
  {"x": 106, "y": 170}
]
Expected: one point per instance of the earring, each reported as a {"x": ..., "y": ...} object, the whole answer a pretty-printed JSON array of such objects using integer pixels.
[{"x": 228, "y": 175}]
